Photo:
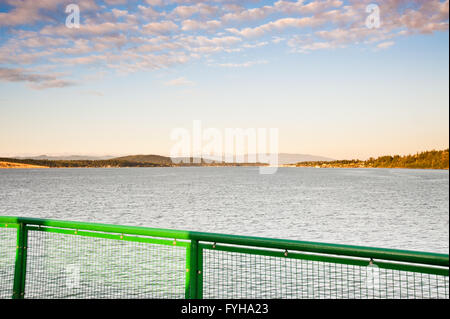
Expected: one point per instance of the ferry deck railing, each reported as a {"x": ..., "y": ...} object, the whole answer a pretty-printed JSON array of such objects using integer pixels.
[{"x": 44, "y": 258}]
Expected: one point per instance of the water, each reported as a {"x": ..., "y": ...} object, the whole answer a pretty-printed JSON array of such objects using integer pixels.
[{"x": 392, "y": 208}]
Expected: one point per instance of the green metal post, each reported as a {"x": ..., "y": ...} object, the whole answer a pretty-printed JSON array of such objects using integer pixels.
[
  {"x": 193, "y": 269},
  {"x": 200, "y": 273},
  {"x": 187, "y": 289},
  {"x": 21, "y": 261}
]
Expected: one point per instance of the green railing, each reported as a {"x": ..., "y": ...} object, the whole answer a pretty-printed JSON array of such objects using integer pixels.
[{"x": 41, "y": 258}]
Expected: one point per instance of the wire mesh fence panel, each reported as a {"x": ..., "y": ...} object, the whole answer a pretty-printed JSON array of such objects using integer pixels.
[
  {"x": 238, "y": 275},
  {"x": 8, "y": 237},
  {"x": 71, "y": 266},
  {"x": 55, "y": 260},
  {"x": 396, "y": 284}
]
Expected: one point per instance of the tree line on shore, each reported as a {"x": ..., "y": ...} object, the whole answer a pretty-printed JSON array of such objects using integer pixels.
[
  {"x": 81, "y": 163},
  {"x": 114, "y": 163},
  {"x": 430, "y": 159}
]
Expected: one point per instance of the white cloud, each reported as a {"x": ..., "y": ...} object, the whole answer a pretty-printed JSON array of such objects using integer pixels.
[
  {"x": 129, "y": 36},
  {"x": 242, "y": 65},
  {"x": 277, "y": 25},
  {"x": 115, "y": 2},
  {"x": 154, "y": 2},
  {"x": 197, "y": 9},
  {"x": 190, "y": 25},
  {"x": 163, "y": 27},
  {"x": 35, "y": 80},
  {"x": 385, "y": 45},
  {"x": 255, "y": 45}
]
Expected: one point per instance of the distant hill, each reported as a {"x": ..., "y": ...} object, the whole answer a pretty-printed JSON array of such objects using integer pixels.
[
  {"x": 430, "y": 159},
  {"x": 155, "y": 159},
  {"x": 67, "y": 158},
  {"x": 283, "y": 158},
  {"x": 80, "y": 163},
  {"x": 165, "y": 160},
  {"x": 148, "y": 160},
  {"x": 124, "y": 161}
]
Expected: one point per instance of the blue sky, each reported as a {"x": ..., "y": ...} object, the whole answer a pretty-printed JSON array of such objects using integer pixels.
[{"x": 135, "y": 70}]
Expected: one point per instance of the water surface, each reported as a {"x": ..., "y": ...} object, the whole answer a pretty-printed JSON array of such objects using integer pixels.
[{"x": 393, "y": 208}]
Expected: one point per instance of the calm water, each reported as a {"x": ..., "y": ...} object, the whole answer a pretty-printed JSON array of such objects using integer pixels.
[{"x": 396, "y": 208}]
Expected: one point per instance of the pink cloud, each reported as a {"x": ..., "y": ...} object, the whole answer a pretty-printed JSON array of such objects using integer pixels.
[{"x": 155, "y": 34}]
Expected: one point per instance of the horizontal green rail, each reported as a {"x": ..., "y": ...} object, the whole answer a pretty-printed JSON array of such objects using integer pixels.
[
  {"x": 336, "y": 249},
  {"x": 199, "y": 248}
]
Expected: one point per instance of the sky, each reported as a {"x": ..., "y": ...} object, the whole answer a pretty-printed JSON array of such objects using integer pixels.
[{"x": 330, "y": 79}]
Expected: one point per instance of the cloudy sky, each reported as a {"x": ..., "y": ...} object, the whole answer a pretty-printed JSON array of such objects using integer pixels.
[{"x": 134, "y": 70}]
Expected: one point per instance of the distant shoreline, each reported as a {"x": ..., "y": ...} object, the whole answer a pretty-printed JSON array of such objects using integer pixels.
[
  {"x": 11, "y": 165},
  {"x": 425, "y": 160},
  {"x": 14, "y": 166},
  {"x": 366, "y": 167},
  {"x": 31, "y": 164}
]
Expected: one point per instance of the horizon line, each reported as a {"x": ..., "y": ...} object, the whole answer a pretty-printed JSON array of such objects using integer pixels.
[{"x": 112, "y": 155}]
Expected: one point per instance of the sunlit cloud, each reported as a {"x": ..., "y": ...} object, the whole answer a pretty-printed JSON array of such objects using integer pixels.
[
  {"x": 385, "y": 45},
  {"x": 144, "y": 35},
  {"x": 243, "y": 64},
  {"x": 35, "y": 80}
]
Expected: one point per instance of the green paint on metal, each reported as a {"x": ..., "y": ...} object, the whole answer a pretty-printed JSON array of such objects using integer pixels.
[
  {"x": 413, "y": 268},
  {"x": 187, "y": 286},
  {"x": 111, "y": 236},
  {"x": 293, "y": 264},
  {"x": 193, "y": 270},
  {"x": 199, "y": 273},
  {"x": 328, "y": 259},
  {"x": 20, "y": 264},
  {"x": 10, "y": 225},
  {"x": 334, "y": 249}
]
